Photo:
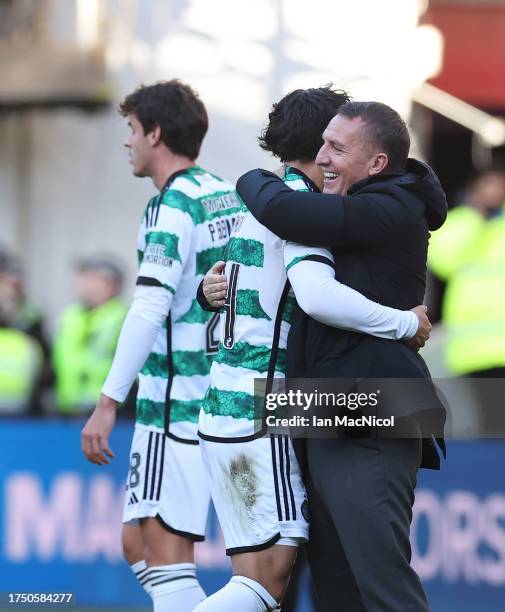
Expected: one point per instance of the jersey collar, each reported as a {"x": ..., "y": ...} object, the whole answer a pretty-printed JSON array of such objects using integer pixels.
[
  {"x": 174, "y": 175},
  {"x": 310, "y": 184}
]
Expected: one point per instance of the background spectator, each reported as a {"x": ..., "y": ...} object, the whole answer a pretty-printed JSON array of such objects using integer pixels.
[
  {"x": 468, "y": 252},
  {"x": 87, "y": 336},
  {"x": 25, "y": 353}
]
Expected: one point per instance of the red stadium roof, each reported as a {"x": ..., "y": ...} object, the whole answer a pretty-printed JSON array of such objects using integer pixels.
[{"x": 474, "y": 51}]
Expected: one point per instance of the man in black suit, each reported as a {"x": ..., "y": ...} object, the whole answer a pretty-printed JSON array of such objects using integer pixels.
[{"x": 375, "y": 213}]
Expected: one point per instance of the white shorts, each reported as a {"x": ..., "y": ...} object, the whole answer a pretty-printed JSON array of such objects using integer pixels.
[
  {"x": 167, "y": 480},
  {"x": 257, "y": 492}
]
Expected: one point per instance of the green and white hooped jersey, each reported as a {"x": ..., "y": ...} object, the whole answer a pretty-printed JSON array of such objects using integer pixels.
[
  {"x": 184, "y": 232},
  {"x": 255, "y": 323}
]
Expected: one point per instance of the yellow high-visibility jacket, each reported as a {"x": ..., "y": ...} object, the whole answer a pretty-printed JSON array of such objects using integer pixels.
[
  {"x": 83, "y": 350},
  {"x": 20, "y": 364},
  {"x": 468, "y": 252}
]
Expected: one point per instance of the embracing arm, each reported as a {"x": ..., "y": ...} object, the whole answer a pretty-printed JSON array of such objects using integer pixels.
[
  {"x": 327, "y": 300},
  {"x": 321, "y": 296},
  {"x": 323, "y": 219}
]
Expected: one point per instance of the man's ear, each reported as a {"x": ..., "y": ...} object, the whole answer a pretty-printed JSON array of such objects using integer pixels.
[
  {"x": 154, "y": 136},
  {"x": 378, "y": 164}
]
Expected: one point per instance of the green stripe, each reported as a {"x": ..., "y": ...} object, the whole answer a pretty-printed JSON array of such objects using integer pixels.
[
  {"x": 192, "y": 173},
  {"x": 248, "y": 303},
  {"x": 289, "y": 309},
  {"x": 294, "y": 261},
  {"x": 155, "y": 365},
  {"x": 237, "y": 404},
  {"x": 178, "y": 200},
  {"x": 140, "y": 255},
  {"x": 235, "y": 210},
  {"x": 244, "y": 355},
  {"x": 153, "y": 413},
  {"x": 295, "y": 177},
  {"x": 191, "y": 363},
  {"x": 169, "y": 243},
  {"x": 245, "y": 251},
  {"x": 207, "y": 258},
  {"x": 195, "y": 314},
  {"x": 186, "y": 363},
  {"x": 196, "y": 207},
  {"x": 185, "y": 410}
]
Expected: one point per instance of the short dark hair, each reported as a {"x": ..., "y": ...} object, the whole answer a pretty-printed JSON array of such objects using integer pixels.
[
  {"x": 176, "y": 108},
  {"x": 296, "y": 123},
  {"x": 384, "y": 128}
]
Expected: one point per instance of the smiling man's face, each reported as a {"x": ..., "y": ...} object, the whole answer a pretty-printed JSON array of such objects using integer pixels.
[{"x": 345, "y": 156}]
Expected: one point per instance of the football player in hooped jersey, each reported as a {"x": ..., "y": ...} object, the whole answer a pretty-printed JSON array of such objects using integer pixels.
[
  {"x": 255, "y": 480},
  {"x": 168, "y": 341}
]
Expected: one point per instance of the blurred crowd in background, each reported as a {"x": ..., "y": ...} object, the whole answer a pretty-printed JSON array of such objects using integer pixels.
[{"x": 62, "y": 373}]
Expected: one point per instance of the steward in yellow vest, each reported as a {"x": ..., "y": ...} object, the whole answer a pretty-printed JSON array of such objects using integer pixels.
[
  {"x": 87, "y": 337},
  {"x": 20, "y": 364},
  {"x": 468, "y": 252},
  {"x": 19, "y": 313}
]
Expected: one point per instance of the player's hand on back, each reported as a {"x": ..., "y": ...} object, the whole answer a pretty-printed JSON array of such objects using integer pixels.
[
  {"x": 215, "y": 285},
  {"x": 424, "y": 329},
  {"x": 96, "y": 432}
]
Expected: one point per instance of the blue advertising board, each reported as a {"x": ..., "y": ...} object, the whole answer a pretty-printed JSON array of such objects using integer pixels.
[
  {"x": 60, "y": 521},
  {"x": 458, "y": 530},
  {"x": 60, "y": 518}
]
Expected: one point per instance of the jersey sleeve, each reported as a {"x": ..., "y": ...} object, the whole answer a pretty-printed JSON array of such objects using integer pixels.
[
  {"x": 138, "y": 334},
  {"x": 164, "y": 242},
  {"x": 294, "y": 253},
  {"x": 324, "y": 298}
]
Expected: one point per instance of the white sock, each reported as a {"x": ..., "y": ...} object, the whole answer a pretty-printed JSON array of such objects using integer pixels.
[
  {"x": 175, "y": 588},
  {"x": 140, "y": 571},
  {"x": 241, "y": 594}
]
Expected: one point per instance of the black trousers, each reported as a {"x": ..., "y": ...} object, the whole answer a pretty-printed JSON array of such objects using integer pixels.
[{"x": 361, "y": 493}]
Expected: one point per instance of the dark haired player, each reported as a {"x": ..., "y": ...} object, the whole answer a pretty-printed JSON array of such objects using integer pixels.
[
  {"x": 167, "y": 341},
  {"x": 255, "y": 480}
]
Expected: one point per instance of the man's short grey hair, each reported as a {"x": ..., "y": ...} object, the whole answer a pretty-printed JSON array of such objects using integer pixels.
[{"x": 385, "y": 129}]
